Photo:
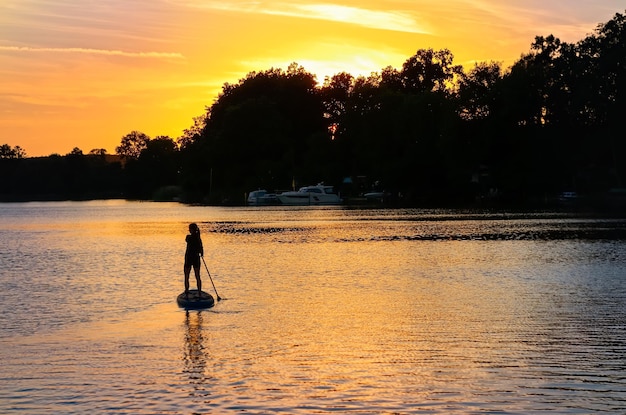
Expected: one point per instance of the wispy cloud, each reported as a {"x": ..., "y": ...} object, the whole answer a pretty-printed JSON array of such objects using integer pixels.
[
  {"x": 376, "y": 19},
  {"x": 519, "y": 17},
  {"x": 393, "y": 20},
  {"x": 151, "y": 55}
]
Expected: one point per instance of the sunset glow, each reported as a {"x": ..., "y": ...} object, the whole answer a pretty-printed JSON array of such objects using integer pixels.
[{"x": 84, "y": 74}]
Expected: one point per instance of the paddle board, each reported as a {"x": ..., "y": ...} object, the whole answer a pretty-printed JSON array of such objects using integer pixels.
[{"x": 195, "y": 299}]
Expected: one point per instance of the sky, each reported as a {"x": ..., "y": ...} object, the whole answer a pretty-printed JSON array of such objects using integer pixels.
[{"x": 84, "y": 73}]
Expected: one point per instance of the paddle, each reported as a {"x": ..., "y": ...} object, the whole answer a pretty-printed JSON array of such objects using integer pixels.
[{"x": 207, "y": 271}]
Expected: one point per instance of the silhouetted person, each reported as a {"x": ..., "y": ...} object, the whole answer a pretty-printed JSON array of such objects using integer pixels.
[{"x": 192, "y": 256}]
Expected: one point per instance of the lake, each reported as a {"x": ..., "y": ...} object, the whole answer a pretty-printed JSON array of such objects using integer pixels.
[{"x": 324, "y": 310}]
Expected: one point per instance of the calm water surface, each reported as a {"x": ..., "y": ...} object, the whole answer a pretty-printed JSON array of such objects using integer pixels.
[{"x": 324, "y": 311}]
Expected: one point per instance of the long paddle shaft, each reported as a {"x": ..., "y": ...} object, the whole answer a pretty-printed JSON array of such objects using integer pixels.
[{"x": 207, "y": 271}]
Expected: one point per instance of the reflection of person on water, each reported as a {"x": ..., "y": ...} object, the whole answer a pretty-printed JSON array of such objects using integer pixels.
[
  {"x": 195, "y": 357},
  {"x": 192, "y": 256}
]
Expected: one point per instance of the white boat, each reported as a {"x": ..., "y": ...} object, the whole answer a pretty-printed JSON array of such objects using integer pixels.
[
  {"x": 374, "y": 196},
  {"x": 310, "y": 195},
  {"x": 262, "y": 198}
]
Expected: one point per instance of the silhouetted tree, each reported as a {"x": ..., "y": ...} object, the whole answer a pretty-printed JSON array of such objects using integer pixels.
[
  {"x": 429, "y": 71},
  {"x": 191, "y": 134},
  {"x": 477, "y": 89},
  {"x": 8, "y": 152},
  {"x": 158, "y": 164},
  {"x": 606, "y": 50},
  {"x": 259, "y": 132},
  {"x": 132, "y": 145}
]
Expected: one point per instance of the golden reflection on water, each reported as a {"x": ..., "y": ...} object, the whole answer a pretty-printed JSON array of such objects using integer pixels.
[
  {"x": 195, "y": 351},
  {"x": 322, "y": 315},
  {"x": 349, "y": 317}
]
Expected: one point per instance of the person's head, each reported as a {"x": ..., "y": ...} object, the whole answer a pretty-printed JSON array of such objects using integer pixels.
[{"x": 193, "y": 229}]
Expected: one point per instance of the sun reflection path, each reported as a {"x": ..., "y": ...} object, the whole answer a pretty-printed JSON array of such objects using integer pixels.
[{"x": 195, "y": 353}]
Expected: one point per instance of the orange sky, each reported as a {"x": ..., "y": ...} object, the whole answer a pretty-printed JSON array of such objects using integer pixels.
[{"x": 84, "y": 73}]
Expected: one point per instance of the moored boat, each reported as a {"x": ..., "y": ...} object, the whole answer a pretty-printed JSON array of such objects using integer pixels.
[
  {"x": 319, "y": 194},
  {"x": 262, "y": 198}
]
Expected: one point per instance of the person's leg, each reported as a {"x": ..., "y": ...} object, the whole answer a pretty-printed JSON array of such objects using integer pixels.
[
  {"x": 187, "y": 270},
  {"x": 196, "y": 270}
]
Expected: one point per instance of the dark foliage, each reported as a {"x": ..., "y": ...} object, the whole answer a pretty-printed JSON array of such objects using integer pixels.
[{"x": 74, "y": 176}]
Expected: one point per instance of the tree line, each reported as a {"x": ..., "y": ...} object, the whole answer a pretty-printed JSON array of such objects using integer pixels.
[{"x": 428, "y": 133}]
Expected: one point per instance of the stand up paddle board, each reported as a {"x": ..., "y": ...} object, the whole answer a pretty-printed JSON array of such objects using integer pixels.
[{"x": 195, "y": 299}]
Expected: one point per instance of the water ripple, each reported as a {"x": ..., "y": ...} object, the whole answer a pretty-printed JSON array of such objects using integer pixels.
[{"x": 327, "y": 311}]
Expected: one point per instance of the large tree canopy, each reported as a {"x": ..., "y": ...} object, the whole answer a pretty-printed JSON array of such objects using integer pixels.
[{"x": 261, "y": 131}]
